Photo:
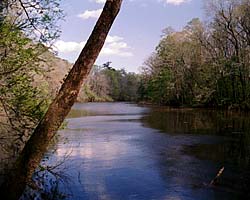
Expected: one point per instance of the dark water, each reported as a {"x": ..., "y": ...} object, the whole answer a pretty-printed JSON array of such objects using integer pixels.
[{"x": 124, "y": 151}]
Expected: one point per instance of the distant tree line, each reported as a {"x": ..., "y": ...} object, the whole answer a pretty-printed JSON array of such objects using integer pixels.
[
  {"x": 108, "y": 84},
  {"x": 205, "y": 64}
]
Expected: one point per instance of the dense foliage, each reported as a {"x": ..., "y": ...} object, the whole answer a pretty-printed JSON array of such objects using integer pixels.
[
  {"x": 205, "y": 64},
  {"x": 108, "y": 84},
  {"x": 27, "y": 28},
  {"x": 23, "y": 102}
]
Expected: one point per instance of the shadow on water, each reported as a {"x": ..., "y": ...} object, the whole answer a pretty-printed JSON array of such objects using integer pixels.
[
  {"x": 230, "y": 146},
  {"x": 123, "y": 151}
]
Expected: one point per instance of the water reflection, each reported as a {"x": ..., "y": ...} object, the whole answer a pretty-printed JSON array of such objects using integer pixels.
[
  {"x": 231, "y": 147},
  {"x": 123, "y": 151}
]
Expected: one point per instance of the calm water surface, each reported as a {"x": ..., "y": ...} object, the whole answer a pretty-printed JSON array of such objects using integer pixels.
[{"x": 124, "y": 151}]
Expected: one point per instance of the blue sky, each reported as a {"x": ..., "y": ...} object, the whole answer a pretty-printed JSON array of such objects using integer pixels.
[{"x": 135, "y": 33}]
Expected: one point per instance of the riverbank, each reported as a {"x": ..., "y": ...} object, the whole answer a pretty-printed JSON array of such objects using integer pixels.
[{"x": 233, "y": 108}]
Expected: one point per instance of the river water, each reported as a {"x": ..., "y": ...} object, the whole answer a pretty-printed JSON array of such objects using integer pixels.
[{"x": 122, "y": 151}]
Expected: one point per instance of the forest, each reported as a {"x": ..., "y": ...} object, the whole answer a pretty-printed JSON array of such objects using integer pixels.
[
  {"x": 204, "y": 65},
  {"x": 108, "y": 84}
]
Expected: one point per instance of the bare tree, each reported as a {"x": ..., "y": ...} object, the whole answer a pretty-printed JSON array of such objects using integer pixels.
[{"x": 35, "y": 148}]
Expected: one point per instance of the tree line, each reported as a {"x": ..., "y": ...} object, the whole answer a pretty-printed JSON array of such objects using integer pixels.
[
  {"x": 204, "y": 64},
  {"x": 106, "y": 83}
]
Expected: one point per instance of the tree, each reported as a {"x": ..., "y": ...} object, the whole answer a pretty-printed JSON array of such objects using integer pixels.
[
  {"x": 108, "y": 84},
  {"x": 97, "y": 86},
  {"x": 174, "y": 69},
  {"x": 37, "y": 19},
  {"x": 229, "y": 40},
  {"x": 25, "y": 27},
  {"x": 61, "y": 105},
  {"x": 207, "y": 63}
]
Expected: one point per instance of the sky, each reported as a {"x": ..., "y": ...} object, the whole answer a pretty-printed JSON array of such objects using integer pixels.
[{"x": 134, "y": 35}]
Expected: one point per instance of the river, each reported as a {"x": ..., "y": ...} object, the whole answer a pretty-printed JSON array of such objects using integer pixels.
[{"x": 122, "y": 151}]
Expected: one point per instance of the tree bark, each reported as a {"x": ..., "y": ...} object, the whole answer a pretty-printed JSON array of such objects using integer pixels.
[{"x": 37, "y": 145}]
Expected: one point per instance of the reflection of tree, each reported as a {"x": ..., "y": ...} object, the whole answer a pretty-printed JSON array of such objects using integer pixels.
[
  {"x": 180, "y": 121},
  {"x": 48, "y": 181},
  {"x": 232, "y": 150}
]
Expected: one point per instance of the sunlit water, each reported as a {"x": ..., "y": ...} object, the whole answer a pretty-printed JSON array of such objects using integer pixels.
[{"x": 125, "y": 151}]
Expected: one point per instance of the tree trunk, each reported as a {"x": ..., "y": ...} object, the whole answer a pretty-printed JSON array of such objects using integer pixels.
[{"x": 35, "y": 148}]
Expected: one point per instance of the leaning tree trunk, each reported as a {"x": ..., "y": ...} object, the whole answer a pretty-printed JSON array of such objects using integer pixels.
[{"x": 35, "y": 148}]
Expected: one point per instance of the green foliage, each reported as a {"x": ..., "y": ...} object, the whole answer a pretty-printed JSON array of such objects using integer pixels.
[
  {"x": 108, "y": 84},
  {"x": 36, "y": 19},
  {"x": 204, "y": 64},
  {"x": 113, "y": 77},
  {"x": 23, "y": 102},
  {"x": 23, "y": 26},
  {"x": 159, "y": 88},
  {"x": 90, "y": 96},
  {"x": 123, "y": 85}
]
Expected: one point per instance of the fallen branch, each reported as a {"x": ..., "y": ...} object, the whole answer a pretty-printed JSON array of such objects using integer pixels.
[{"x": 217, "y": 176}]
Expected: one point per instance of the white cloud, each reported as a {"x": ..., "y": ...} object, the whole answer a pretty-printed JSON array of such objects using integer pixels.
[
  {"x": 113, "y": 39},
  {"x": 99, "y": 1},
  {"x": 117, "y": 47},
  {"x": 114, "y": 46},
  {"x": 67, "y": 47},
  {"x": 175, "y": 2},
  {"x": 90, "y": 14}
]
